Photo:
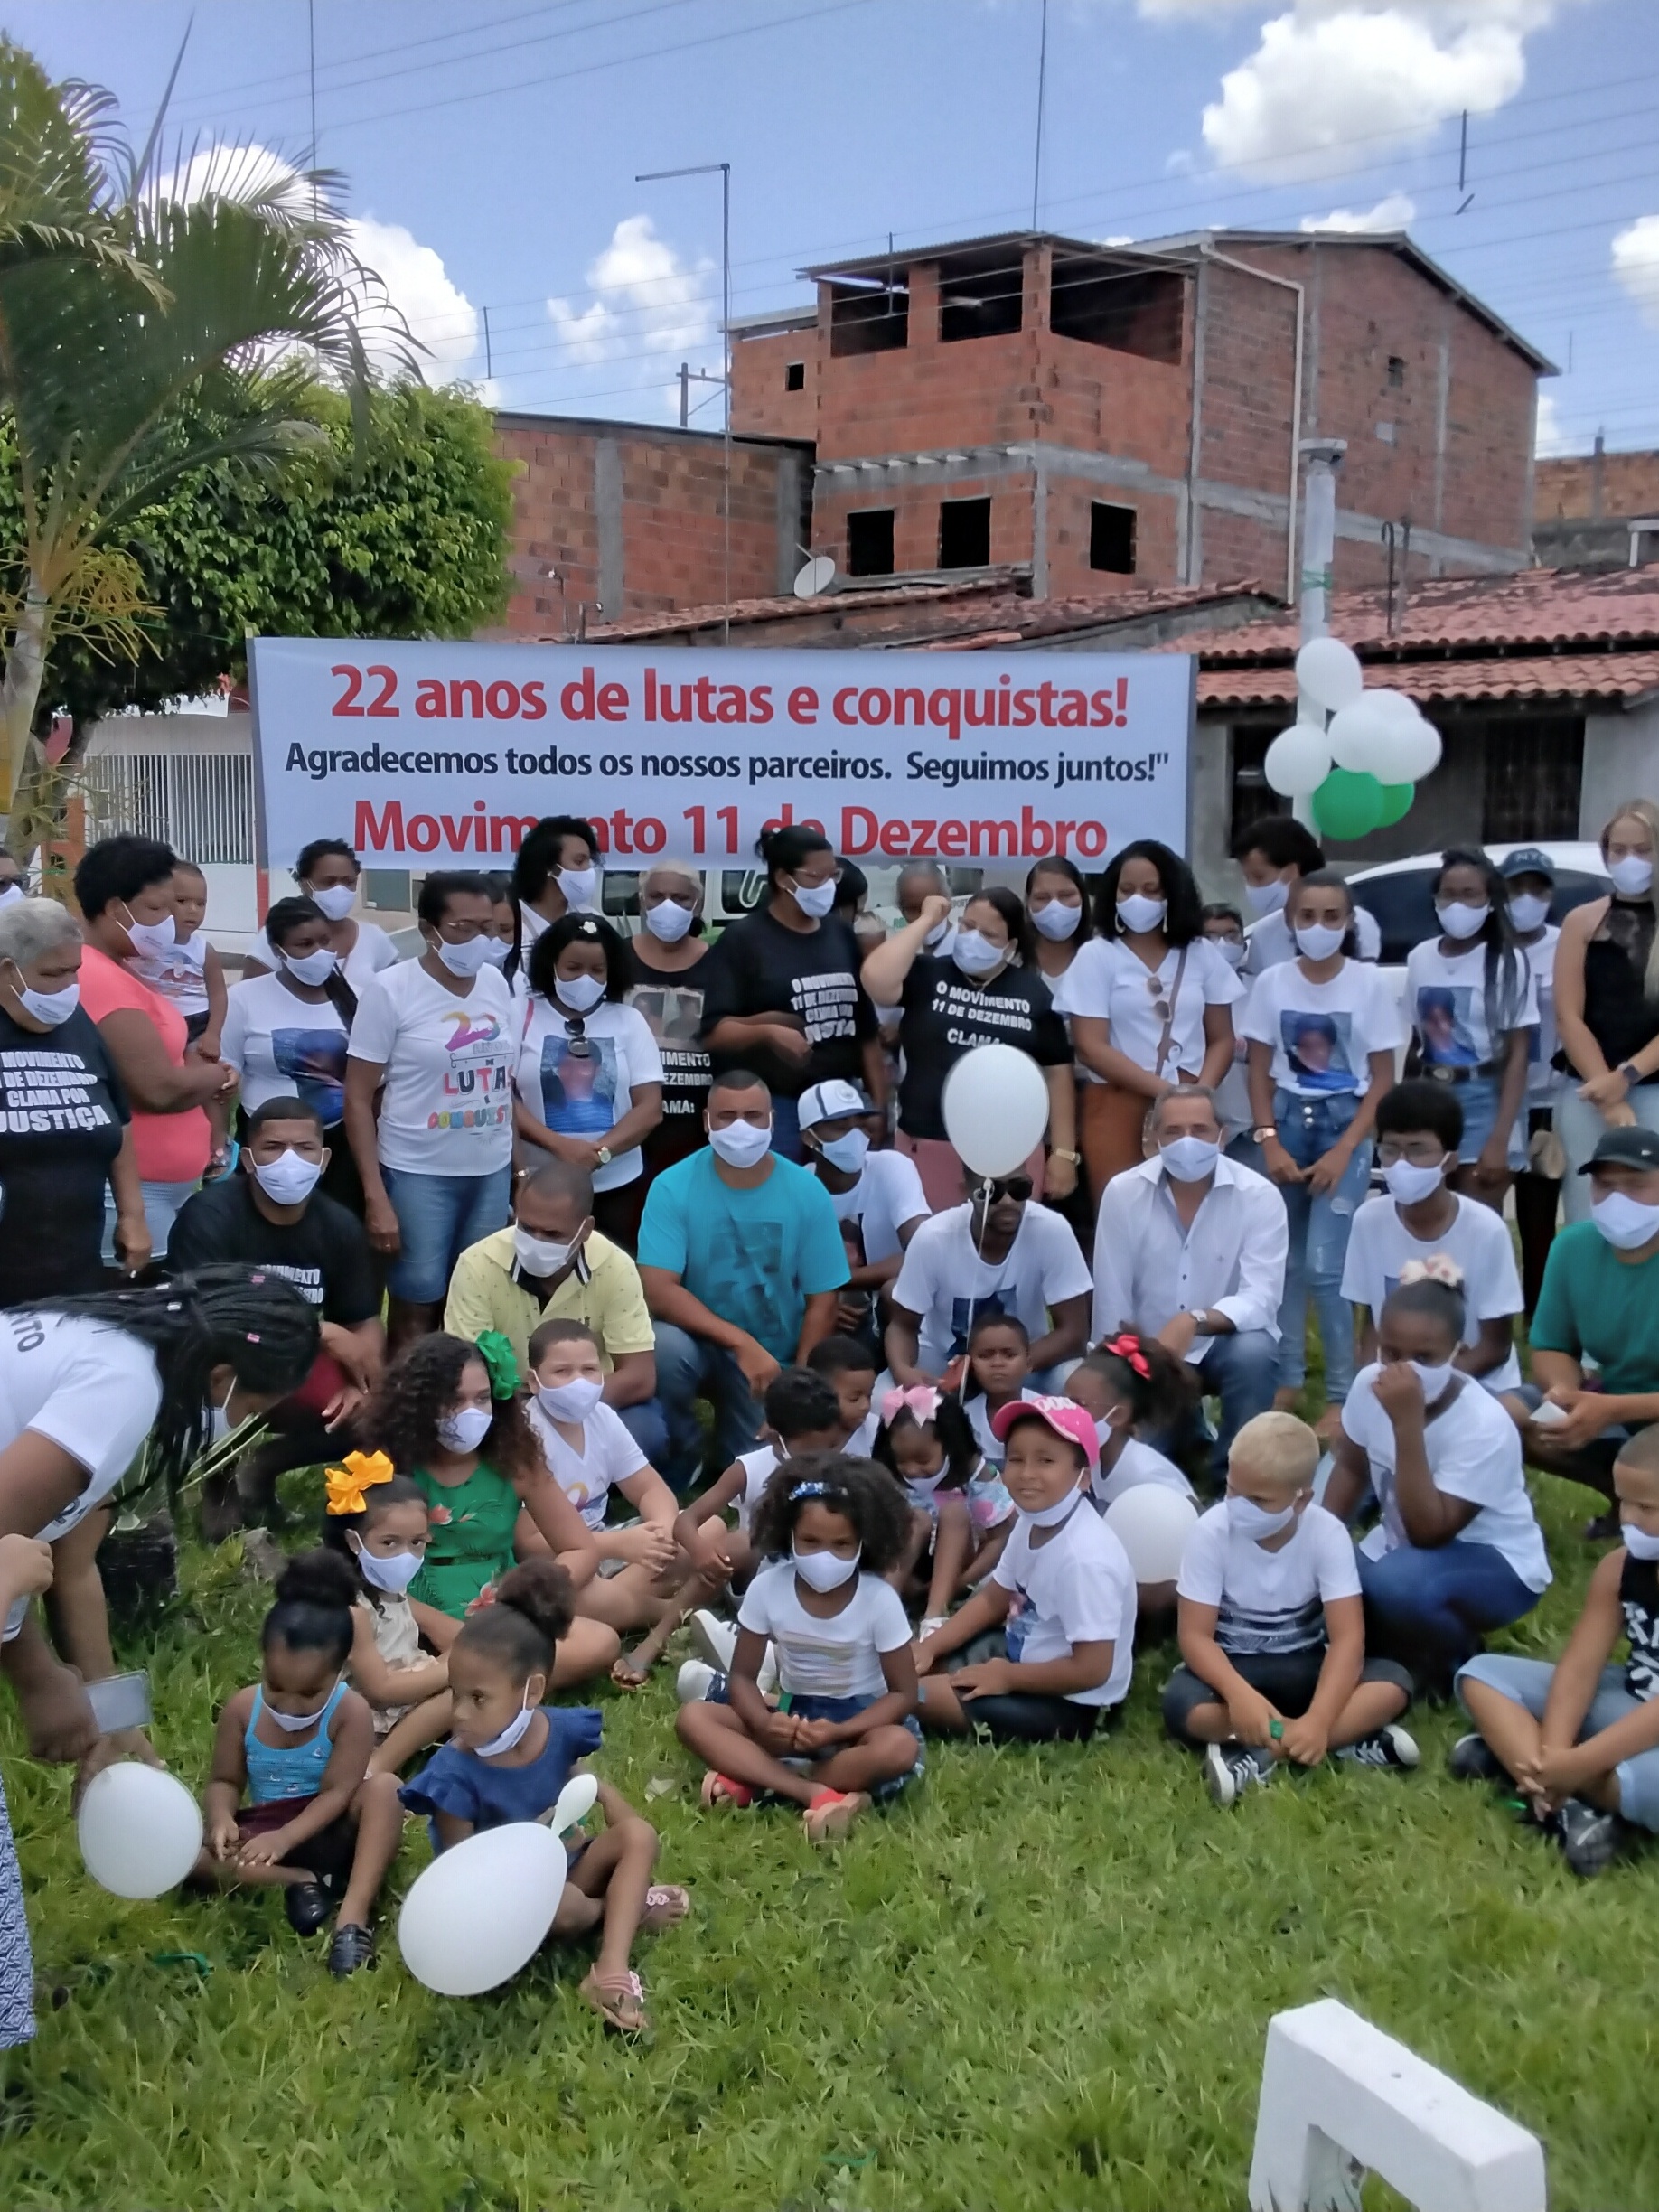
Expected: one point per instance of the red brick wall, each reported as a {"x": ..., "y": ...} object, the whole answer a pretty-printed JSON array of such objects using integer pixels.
[
  {"x": 1568, "y": 487},
  {"x": 761, "y": 407}
]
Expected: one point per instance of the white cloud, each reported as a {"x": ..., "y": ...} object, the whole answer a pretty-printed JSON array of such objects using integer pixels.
[
  {"x": 1332, "y": 81},
  {"x": 645, "y": 300},
  {"x": 1551, "y": 438},
  {"x": 1396, "y": 212},
  {"x": 1635, "y": 265}
]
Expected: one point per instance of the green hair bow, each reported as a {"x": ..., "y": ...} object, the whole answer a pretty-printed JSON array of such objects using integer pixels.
[{"x": 500, "y": 1363}]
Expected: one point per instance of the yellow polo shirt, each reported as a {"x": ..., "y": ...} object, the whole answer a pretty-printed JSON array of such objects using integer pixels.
[{"x": 602, "y": 1290}]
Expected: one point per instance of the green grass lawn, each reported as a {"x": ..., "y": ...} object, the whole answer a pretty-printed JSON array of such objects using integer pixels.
[{"x": 1043, "y": 1979}]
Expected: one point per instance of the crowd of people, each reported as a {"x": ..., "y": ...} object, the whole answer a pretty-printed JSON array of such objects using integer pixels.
[{"x": 631, "y": 1282}]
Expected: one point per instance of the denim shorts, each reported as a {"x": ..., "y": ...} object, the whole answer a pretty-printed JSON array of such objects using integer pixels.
[
  {"x": 803, "y": 1708},
  {"x": 438, "y": 1217},
  {"x": 1526, "y": 1682},
  {"x": 1479, "y": 1100}
]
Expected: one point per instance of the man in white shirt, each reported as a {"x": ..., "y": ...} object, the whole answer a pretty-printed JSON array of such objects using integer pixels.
[
  {"x": 878, "y": 1197},
  {"x": 1274, "y": 855},
  {"x": 1190, "y": 1248}
]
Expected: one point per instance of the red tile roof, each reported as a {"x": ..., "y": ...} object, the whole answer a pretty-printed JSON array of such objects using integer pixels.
[{"x": 1618, "y": 676}]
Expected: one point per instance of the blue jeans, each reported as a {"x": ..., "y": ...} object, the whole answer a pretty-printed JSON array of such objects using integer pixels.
[
  {"x": 1320, "y": 1225},
  {"x": 647, "y": 1425},
  {"x": 438, "y": 1217},
  {"x": 1241, "y": 1368},
  {"x": 688, "y": 1368},
  {"x": 162, "y": 1203},
  {"x": 1526, "y": 1682},
  {"x": 1430, "y": 1608}
]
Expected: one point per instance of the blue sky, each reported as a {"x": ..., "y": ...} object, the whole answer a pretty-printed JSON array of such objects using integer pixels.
[{"x": 489, "y": 151}]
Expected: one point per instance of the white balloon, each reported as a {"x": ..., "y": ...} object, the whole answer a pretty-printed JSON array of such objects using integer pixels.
[
  {"x": 1329, "y": 672},
  {"x": 1398, "y": 708},
  {"x": 483, "y": 1909},
  {"x": 1298, "y": 761},
  {"x": 140, "y": 1830},
  {"x": 1413, "y": 752},
  {"x": 996, "y": 1108},
  {"x": 576, "y": 1800},
  {"x": 1360, "y": 738},
  {"x": 1152, "y": 1524}
]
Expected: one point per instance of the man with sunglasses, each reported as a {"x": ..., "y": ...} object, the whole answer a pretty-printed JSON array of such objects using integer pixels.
[
  {"x": 1190, "y": 1248},
  {"x": 995, "y": 1253}
]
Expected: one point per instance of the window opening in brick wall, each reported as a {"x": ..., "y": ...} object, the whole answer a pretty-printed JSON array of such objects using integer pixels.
[
  {"x": 1253, "y": 798},
  {"x": 870, "y": 542},
  {"x": 1396, "y": 371},
  {"x": 964, "y": 533},
  {"x": 869, "y": 319},
  {"x": 1534, "y": 766},
  {"x": 979, "y": 298},
  {"x": 794, "y": 376},
  {"x": 1131, "y": 310},
  {"x": 1112, "y": 538}
]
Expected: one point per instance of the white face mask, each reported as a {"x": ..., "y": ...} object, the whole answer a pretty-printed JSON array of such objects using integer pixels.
[
  {"x": 1637, "y": 1541},
  {"x": 336, "y": 900},
  {"x": 937, "y": 934},
  {"x": 1528, "y": 912},
  {"x": 740, "y": 1144},
  {"x": 1138, "y": 913},
  {"x": 1268, "y": 897},
  {"x": 155, "y": 940},
  {"x": 219, "y": 1418},
  {"x": 1626, "y": 1223},
  {"x": 1409, "y": 1183},
  {"x": 10, "y": 890},
  {"x": 1051, "y": 1516},
  {"x": 580, "y": 887},
  {"x": 1189, "y": 1158},
  {"x": 975, "y": 954},
  {"x": 815, "y": 899},
  {"x": 583, "y": 992},
  {"x": 53, "y": 1008},
  {"x": 465, "y": 1428},
  {"x": 846, "y": 1152},
  {"x": 463, "y": 960},
  {"x": 295, "y": 1724},
  {"x": 391, "y": 1572},
  {"x": 512, "y": 1735},
  {"x": 1232, "y": 950},
  {"x": 669, "y": 922},
  {"x": 496, "y": 949},
  {"x": 1633, "y": 874},
  {"x": 1436, "y": 1380},
  {"x": 310, "y": 967},
  {"x": 1246, "y": 1518},
  {"x": 1056, "y": 921},
  {"x": 825, "y": 1571},
  {"x": 1460, "y": 921},
  {"x": 289, "y": 1178},
  {"x": 571, "y": 1402},
  {"x": 541, "y": 1255},
  {"x": 1317, "y": 940},
  {"x": 1105, "y": 1434}
]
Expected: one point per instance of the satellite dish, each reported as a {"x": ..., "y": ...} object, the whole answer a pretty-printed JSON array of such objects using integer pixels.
[{"x": 817, "y": 576}]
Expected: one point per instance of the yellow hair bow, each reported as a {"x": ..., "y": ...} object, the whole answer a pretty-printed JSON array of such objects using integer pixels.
[{"x": 361, "y": 1472}]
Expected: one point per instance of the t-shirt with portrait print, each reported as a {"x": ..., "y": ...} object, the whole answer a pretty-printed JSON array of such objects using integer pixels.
[
  {"x": 1455, "y": 1016},
  {"x": 1323, "y": 1034},
  {"x": 446, "y": 1104},
  {"x": 285, "y": 1047},
  {"x": 579, "y": 1078},
  {"x": 761, "y": 968},
  {"x": 672, "y": 1009}
]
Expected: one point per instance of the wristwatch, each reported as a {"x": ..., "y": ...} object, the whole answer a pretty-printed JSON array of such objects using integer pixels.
[
  {"x": 604, "y": 1155},
  {"x": 1055, "y": 1152},
  {"x": 1630, "y": 1072},
  {"x": 1262, "y": 1135}
]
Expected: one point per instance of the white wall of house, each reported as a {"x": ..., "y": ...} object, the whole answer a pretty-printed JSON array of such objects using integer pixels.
[{"x": 1621, "y": 761}]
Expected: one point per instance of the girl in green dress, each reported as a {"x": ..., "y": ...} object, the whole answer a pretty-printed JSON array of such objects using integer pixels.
[{"x": 447, "y": 1415}]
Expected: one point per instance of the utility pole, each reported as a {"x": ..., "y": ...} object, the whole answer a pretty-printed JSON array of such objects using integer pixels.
[
  {"x": 1321, "y": 458},
  {"x": 724, "y": 169}
]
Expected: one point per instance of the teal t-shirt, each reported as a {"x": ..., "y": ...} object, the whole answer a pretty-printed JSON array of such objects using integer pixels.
[
  {"x": 754, "y": 1257},
  {"x": 1596, "y": 1306}
]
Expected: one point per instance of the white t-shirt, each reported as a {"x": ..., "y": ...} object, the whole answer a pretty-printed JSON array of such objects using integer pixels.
[
  {"x": 447, "y": 1106},
  {"x": 1380, "y": 1244},
  {"x": 1543, "y": 1081},
  {"x": 886, "y": 1196},
  {"x": 758, "y": 1468},
  {"x": 1323, "y": 1034},
  {"x": 978, "y": 1409},
  {"x": 1270, "y": 1602},
  {"x": 1136, "y": 1463},
  {"x": 1107, "y": 983},
  {"x": 839, "y": 1658},
  {"x": 1445, "y": 1002},
  {"x": 285, "y": 1048},
  {"x": 182, "y": 976},
  {"x": 862, "y": 1441},
  {"x": 87, "y": 1387},
  {"x": 1271, "y": 941},
  {"x": 1078, "y": 1587},
  {"x": 608, "y": 1455},
  {"x": 586, "y": 1094},
  {"x": 945, "y": 1281},
  {"x": 1473, "y": 1452}
]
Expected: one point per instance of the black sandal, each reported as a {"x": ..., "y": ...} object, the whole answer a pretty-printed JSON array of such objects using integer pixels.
[
  {"x": 352, "y": 1948},
  {"x": 308, "y": 1905}
]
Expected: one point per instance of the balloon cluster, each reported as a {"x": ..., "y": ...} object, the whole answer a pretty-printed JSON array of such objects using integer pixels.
[{"x": 1359, "y": 756}]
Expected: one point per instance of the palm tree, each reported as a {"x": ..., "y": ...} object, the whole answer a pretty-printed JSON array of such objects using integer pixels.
[{"x": 146, "y": 328}]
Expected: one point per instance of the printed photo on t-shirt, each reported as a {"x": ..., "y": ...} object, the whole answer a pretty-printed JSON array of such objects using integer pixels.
[
  {"x": 1443, "y": 1024},
  {"x": 579, "y": 1084},
  {"x": 1318, "y": 1049},
  {"x": 314, "y": 1060},
  {"x": 966, "y": 1311},
  {"x": 673, "y": 1013}
]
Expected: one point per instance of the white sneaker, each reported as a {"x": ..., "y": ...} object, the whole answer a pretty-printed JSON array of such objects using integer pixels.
[
  {"x": 692, "y": 1684},
  {"x": 1232, "y": 1769},
  {"x": 715, "y": 1640}
]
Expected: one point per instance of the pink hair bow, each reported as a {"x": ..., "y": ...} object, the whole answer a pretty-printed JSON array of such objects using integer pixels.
[{"x": 921, "y": 1401}]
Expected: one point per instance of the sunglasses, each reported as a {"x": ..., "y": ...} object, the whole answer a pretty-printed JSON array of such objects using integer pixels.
[
  {"x": 576, "y": 1045},
  {"x": 1010, "y": 1186}
]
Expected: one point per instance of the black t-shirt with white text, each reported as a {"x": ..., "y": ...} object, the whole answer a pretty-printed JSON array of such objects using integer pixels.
[
  {"x": 945, "y": 1016},
  {"x": 671, "y": 1006},
  {"x": 759, "y": 967},
  {"x": 61, "y": 1113},
  {"x": 324, "y": 1254}
]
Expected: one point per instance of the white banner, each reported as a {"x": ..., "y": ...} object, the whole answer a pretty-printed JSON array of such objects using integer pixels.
[{"x": 445, "y": 755}]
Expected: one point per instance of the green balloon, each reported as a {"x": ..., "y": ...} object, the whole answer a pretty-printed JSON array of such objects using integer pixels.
[
  {"x": 1396, "y": 802},
  {"x": 1347, "y": 805}
]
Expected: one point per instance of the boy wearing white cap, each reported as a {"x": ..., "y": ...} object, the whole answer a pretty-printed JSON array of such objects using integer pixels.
[{"x": 878, "y": 1197}]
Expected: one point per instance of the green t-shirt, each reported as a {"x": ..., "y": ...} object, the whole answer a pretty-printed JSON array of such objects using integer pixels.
[
  {"x": 1596, "y": 1306},
  {"x": 472, "y": 1537}
]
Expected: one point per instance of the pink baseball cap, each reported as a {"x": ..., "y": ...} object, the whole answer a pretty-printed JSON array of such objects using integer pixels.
[{"x": 1063, "y": 1416}]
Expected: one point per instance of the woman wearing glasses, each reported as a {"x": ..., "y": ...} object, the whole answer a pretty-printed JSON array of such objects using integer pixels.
[
  {"x": 1150, "y": 999},
  {"x": 781, "y": 990},
  {"x": 589, "y": 1080}
]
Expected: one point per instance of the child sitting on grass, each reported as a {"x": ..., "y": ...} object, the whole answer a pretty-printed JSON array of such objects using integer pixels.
[
  {"x": 296, "y": 1744},
  {"x": 959, "y": 1511},
  {"x": 831, "y": 1528},
  {"x": 998, "y": 1361},
  {"x": 1580, "y": 1739},
  {"x": 1047, "y": 1643},
  {"x": 1272, "y": 1627},
  {"x": 1121, "y": 1385},
  {"x": 379, "y": 1522},
  {"x": 508, "y": 1756},
  {"x": 847, "y": 1364}
]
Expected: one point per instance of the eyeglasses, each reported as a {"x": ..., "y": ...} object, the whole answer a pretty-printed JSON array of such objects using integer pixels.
[
  {"x": 1418, "y": 1153},
  {"x": 1010, "y": 1187}
]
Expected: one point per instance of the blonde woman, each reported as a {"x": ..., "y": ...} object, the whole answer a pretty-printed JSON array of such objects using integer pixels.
[{"x": 1607, "y": 1000}]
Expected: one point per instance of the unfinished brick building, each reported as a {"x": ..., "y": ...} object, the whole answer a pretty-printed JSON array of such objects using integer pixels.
[{"x": 1096, "y": 414}]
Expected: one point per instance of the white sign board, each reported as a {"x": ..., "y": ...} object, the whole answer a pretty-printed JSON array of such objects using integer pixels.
[{"x": 444, "y": 755}]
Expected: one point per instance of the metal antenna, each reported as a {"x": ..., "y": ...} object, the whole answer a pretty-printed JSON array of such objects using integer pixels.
[
  {"x": 153, "y": 140},
  {"x": 1036, "y": 165},
  {"x": 1463, "y": 158}
]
